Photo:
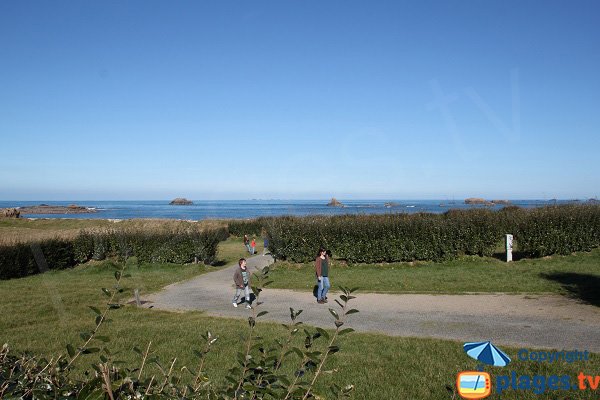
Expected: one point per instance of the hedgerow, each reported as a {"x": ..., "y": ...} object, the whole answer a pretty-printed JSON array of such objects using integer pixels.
[
  {"x": 436, "y": 237},
  {"x": 162, "y": 246}
]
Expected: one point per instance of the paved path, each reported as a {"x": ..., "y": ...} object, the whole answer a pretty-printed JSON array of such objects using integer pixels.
[{"x": 543, "y": 321}]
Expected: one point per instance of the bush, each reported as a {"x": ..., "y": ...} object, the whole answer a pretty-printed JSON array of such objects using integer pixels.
[
  {"x": 241, "y": 227},
  {"x": 558, "y": 230},
  {"x": 164, "y": 246},
  {"x": 23, "y": 259},
  {"x": 425, "y": 236}
]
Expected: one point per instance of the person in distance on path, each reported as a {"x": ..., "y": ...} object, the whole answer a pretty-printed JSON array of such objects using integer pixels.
[{"x": 322, "y": 271}]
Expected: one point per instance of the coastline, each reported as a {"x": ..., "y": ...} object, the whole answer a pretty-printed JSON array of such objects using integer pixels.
[{"x": 249, "y": 209}]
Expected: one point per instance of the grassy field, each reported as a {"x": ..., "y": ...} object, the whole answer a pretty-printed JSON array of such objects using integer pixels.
[
  {"x": 44, "y": 313},
  {"x": 13, "y": 230},
  {"x": 576, "y": 274}
]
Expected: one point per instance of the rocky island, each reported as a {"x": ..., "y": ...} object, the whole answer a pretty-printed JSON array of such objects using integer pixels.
[
  {"x": 9, "y": 213},
  {"x": 484, "y": 202},
  {"x": 46, "y": 209},
  {"x": 334, "y": 203},
  {"x": 180, "y": 201}
]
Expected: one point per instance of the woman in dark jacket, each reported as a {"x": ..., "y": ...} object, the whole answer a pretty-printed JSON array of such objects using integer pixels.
[{"x": 322, "y": 266}]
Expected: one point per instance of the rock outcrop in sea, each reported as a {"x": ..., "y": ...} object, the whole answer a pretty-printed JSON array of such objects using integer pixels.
[
  {"x": 334, "y": 203},
  {"x": 484, "y": 202},
  {"x": 46, "y": 209},
  {"x": 9, "y": 213},
  {"x": 180, "y": 201}
]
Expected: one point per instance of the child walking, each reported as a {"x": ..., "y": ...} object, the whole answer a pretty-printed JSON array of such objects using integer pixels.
[
  {"x": 253, "y": 245},
  {"x": 241, "y": 278}
]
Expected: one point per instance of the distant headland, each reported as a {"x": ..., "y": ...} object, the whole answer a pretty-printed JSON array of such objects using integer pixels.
[{"x": 55, "y": 209}]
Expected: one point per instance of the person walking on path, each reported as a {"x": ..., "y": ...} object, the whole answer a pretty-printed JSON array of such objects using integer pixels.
[
  {"x": 253, "y": 245},
  {"x": 247, "y": 243},
  {"x": 241, "y": 278},
  {"x": 265, "y": 245},
  {"x": 322, "y": 271}
]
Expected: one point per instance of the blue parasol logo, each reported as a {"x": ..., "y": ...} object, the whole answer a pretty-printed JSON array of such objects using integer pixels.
[{"x": 486, "y": 353}]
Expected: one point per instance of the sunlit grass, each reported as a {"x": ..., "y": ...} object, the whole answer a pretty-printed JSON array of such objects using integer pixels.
[
  {"x": 44, "y": 313},
  {"x": 465, "y": 275},
  {"x": 19, "y": 230}
]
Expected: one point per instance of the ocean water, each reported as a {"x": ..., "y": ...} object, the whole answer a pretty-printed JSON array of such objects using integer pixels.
[{"x": 225, "y": 209}]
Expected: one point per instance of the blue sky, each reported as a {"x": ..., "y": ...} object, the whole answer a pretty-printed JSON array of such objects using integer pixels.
[{"x": 299, "y": 99}]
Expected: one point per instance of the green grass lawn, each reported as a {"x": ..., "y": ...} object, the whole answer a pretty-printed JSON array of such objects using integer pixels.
[
  {"x": 44, "y": 313},
  {"x": 231, "y": 250},
  {"x": 576, "y": 274}
]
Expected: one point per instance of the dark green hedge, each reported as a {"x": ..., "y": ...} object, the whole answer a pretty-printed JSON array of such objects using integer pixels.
[
  {"x": 19, "y": 260},
  {"x": 241, "y": 227},
  {"x": 386, "y": 238},
  {"x": 181, "y": 246},
  {"x": 409, "y": 237},
  {"x": 178, "y": 247},
  {"x": 558, "y": 230}
]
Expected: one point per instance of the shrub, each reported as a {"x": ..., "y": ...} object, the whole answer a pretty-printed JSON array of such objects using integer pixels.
[
  {"x": 558, "y": 230},
  {"x": 177, "y": 246},
  {"x": 24, "y": 259},
  {"x": 241, "y": 227},
  {"x": 165, "y": 246},
  {"x": 425, "y": 236}
]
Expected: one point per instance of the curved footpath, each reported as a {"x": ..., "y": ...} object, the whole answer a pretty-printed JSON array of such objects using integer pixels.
[{"x": 542, "y": 321}]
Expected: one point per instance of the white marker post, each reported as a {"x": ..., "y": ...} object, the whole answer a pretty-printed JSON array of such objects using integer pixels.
[{"x": 509, "y": 247}]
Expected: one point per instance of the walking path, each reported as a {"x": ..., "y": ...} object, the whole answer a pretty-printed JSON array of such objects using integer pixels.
[{"x": 540, "y": 321}]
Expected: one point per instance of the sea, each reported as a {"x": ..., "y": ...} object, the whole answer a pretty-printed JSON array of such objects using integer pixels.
[{"x": 245, "y": 209}]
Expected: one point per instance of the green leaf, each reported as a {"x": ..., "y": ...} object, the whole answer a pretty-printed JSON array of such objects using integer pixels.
[
  {"x": 352, "y": 311},
  {"x": 323, "y": 332},
  {"x": 70, "y": 350},
  {"x": 104, "y": 339},
  {"x": 117, "y": 275},
  {"x": 106, "y": 292},
  {"x": 334, "y": 313},
  {"x": 95, "y": 309},
  {"x": 344, "y": 331},
  {"x": 260, "y": 314},
  {"x": 297, "y": 351},
  {"x": 97, "y": 368},
  {"x": 90, "y": 350}
]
